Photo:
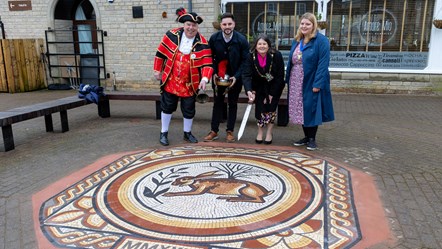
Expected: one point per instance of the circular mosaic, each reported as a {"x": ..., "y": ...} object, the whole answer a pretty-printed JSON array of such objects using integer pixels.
[{"x": 204, "y": 195}]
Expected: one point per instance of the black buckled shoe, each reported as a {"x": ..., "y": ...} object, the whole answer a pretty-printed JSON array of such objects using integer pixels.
[
  {"x": 163, "y": 138},
  {"x": 189, "y": 137}
]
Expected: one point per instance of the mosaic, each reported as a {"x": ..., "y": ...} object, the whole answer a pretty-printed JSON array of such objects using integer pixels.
[{"x": 206, "y": 197}]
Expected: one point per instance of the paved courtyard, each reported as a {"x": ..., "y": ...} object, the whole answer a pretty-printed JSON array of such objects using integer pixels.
[{"x": 396, "y": 139}]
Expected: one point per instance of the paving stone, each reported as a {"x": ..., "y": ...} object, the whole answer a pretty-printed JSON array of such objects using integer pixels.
[
  {"x": 428, "y": 241},
  {"x": 394, "y": 138}
]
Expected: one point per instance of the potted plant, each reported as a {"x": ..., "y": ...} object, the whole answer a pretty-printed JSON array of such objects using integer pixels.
[
  {"x": 437, "y": 23},
  {"x": 216, "y": 24},
  {"x": 321, "y": 24}
]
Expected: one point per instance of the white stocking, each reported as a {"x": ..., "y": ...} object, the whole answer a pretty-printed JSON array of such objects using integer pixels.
[
  {"x": 165, "y": 121},
  {"x": 187, "y": 124}
]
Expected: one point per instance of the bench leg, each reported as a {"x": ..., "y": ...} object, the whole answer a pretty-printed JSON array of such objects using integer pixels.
[
  {"x": 283, "y": 115},
  {"x": 158, "y": 109},
  {"x": 64, "y": 121},
  {"x": 8, "y": 137},
  {"x": 48, "y": 123},
  {"x": 103, "y": 107}
]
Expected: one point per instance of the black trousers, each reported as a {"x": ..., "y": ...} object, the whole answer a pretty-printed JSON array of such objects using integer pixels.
[
  {"x": 169, "y": 104},
  {"x": 310, "y": 132},
  {"x": 232, "y": 106}
]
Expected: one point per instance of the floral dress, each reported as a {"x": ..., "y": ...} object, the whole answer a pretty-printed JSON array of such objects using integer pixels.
[{"x": 296, "y": 106}]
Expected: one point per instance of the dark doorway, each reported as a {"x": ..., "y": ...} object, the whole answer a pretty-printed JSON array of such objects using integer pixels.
[{"x": 75, "y": 46}]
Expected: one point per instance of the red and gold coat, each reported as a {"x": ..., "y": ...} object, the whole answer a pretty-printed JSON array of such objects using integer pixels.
[{"x": 200, "y": 57}]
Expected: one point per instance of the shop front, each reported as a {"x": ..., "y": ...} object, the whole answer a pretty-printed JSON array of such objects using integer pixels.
[{"x": 376, "y": 45}]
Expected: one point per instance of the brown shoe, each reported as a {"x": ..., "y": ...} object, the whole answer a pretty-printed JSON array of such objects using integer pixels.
[
  {"x": 212, "y": 136},
  {"x": 230, "y": 138}
]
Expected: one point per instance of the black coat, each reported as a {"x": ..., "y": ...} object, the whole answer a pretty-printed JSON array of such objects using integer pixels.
[
  {"x": 238, "y": 52},
  {"x": 253, "y": 80}
]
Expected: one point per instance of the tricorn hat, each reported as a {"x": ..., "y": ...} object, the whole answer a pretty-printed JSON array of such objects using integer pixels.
[{"x": 184, "y": 16}]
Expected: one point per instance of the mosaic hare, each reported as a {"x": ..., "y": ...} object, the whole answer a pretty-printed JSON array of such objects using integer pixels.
[{"x": 232, "y": 190}]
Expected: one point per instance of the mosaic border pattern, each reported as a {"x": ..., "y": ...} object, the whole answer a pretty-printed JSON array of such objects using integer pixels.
[{"x": 83, "y": 215}]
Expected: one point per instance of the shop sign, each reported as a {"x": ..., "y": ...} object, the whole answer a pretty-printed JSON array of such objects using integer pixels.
[
  {"x": 19, "y": 5},
  {"x": 377, "y": 26},
  {"x": 379, "y": 60},
  {"x": 268, "y": 23}
]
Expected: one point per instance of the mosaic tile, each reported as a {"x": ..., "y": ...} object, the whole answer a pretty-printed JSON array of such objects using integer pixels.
[{"x": 206, "y": 197}]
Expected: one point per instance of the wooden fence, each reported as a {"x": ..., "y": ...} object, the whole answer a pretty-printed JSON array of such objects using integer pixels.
[{"x": 22, "y": 67}]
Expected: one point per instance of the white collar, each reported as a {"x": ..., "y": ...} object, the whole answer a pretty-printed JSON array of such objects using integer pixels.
[
  {"x": 227, "y": 39},
  {"x": 186, "y": 44}
]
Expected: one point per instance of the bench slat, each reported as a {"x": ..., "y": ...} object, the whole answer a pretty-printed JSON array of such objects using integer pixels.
[
  {"x": 41, "y": 109},
  {"x": 157, "y": 97},
  {"x": 104, "y": 107},
  {"x": 15, "y": 115}
]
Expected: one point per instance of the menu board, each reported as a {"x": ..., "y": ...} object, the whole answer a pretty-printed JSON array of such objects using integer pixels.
[{"x": 379, "y": 60}]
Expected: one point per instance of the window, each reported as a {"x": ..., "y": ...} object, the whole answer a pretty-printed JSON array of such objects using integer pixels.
[
  {"x": 277, "y": 19},
  {"x": 362, "y": 33},
  {"x": 380, "y": 25}
]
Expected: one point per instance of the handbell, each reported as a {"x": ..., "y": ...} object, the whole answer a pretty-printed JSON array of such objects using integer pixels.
[
  {"x": 202, "y": 97},
  {"x": 226, "y": 81}
]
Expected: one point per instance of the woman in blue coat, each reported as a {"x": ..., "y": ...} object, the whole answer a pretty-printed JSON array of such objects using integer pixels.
[{"x": 308, "y": 79}]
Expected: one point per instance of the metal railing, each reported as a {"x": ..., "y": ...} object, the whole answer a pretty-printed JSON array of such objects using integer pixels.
[{"x": 66, "y": 60}]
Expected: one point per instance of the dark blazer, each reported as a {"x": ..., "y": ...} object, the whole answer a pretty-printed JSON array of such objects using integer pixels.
[
  {"x": 238, "y": 51},
  {"x": 253, "y": 80}
]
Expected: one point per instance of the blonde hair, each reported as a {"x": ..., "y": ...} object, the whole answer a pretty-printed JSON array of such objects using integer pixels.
[{"x": 312, "y": 18}]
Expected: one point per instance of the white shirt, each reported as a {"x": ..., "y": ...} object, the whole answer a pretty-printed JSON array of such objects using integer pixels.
[
  {"x": 186, "y": 48},
  {"x": 227, "y": 39},
  {"x": 186, "y": 44}
]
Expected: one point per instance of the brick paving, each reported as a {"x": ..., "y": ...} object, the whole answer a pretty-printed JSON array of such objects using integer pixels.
[{"x": 395, "y": 138}]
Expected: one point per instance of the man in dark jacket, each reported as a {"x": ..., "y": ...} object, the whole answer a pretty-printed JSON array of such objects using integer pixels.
[{"x": 229, "y": 51}]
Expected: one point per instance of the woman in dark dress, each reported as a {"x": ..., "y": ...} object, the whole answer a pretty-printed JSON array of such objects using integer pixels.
[{"x": 263, "y": 79}]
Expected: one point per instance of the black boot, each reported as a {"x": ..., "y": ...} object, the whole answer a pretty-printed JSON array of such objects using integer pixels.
[
  {"x": 163, "y": 138},
  {"x": 189, "y": 137}
]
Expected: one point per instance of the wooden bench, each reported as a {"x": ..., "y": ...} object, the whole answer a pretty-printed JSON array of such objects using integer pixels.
[
  {"x": 9, "y": 117},
  {"x": 104, "y": 105}
]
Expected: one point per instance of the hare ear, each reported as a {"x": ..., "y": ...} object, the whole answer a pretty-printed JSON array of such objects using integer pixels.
[{"x": 206, "y": 174}]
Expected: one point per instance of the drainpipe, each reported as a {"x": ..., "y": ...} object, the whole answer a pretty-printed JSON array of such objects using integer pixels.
[
  {"x": 189, "y": 3},
  {"x": 223, "y": 6}
]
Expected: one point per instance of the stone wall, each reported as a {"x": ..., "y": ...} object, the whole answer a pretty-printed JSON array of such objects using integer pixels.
[
  {"x": 131, "y": 43},
  {"x": 390, "y": 83}
]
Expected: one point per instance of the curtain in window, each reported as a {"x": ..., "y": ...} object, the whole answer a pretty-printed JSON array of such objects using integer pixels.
[{"x": 84, "y": 33}]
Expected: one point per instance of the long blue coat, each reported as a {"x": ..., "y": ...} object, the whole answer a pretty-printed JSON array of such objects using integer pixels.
[{"x": 318, "y": 107}]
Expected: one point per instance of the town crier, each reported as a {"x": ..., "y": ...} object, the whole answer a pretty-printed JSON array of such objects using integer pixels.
[{"x": 183, "y": 64}]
